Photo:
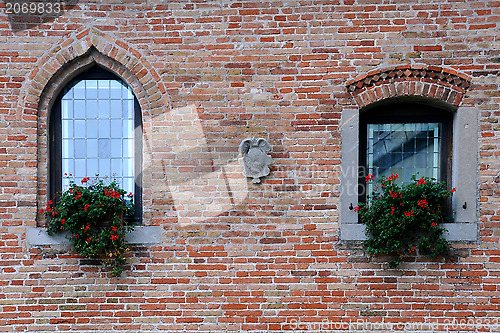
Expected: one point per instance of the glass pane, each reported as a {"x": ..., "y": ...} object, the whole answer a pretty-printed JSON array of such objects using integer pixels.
[
  {"x": 67, "y": 148},
  {"x": 116, "y": 128},
  {"x": 104, "y": 128},
  {"x": 115, "y": 90},
  {"x": 128, "y": 167},
  {"x": 92, "y": 110},
  {"x": 65, "y": 183},
  {"x": 79, "y": 90},
  {"x": 67, "y": 164},
  {"x": 128, "y": 129},
  {"x": 103, "y": 89},
  {"x": 80, "y": 169},
  {"x": 80, "y": 128},
  {"x": 128, "y": 148},
  {"x": 127, "y": 93},
  {"x": 128, "y": 185},
  {"x": 128, "y": 109},
  {"x": 67, "y": 109},
  {"x": 104, "y": 167},
  {"x": 92, "y": 148},
  {"x": 92, "y": 130},
  {"x": 91, "y": 89},
  {"x": 68, "y": 94},
  {"x": 80, "y": 148},
  {"x": 116, "y": 148},
  {"x": 104, "y": 148},
  {"x": 67, "y": 128},
  {"x": 79, "y": 109},
  {"x": 404, "y": 149},
  {"x": 103, "y": 109},
  {"x": 116, "y": 109},
  {"x": 116, "y": 166},
  {"x": 92, "y": 167}
]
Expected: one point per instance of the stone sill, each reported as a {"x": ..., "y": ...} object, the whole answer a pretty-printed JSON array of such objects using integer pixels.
[
  {"x": 141, "y": 235},
  {"x": 457, "y": 232}
]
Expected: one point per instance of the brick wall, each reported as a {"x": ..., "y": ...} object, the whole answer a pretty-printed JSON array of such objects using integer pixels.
[{"x": 238, "y": 256}]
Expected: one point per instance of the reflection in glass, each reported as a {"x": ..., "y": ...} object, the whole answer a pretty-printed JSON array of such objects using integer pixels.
[{"x": 404, "y": 149}]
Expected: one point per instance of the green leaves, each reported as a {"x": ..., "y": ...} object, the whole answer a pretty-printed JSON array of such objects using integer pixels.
[
  {"x": 403, "y": 219},
  {"x": 93, "y": 214}
]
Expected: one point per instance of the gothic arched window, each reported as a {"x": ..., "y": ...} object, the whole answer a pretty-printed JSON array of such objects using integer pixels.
[{"x": 95, "y": 129}]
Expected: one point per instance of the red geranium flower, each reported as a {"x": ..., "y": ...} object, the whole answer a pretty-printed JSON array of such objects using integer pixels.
[{"x": 422, "y": 203}]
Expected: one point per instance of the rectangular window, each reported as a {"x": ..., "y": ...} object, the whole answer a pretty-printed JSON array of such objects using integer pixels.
[
  {"x": 97, "y": 138},
  {"x": 404, "y": 149}
]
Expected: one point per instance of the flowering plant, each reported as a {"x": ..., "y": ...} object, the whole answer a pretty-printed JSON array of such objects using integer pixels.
[
  {"x": 93, "y": 215},
  {"x": 401, "y": 219}
]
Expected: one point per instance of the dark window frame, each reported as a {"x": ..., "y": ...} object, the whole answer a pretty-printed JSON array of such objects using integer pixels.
[
  {"x": 55, "y": 141},
  {"x": 401, "y": 113}
]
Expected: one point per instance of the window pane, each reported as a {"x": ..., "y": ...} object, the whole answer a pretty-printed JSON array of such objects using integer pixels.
[
  {"x": 67, "y": 149},
  {"x": 79, "y": 109},
  {"x": 80, "y": 128},
  {"x": 91, "y": 128},
  {"x": 116, "y": 148},
  {"x": 103, "y": 109},
  {"x": 80, "y": 169},
  {"x": 128, "y": 109},
  {"x": 117, "y": 166},
  {"x": 104, "y": 148},
  {"x": 404, "y": 149},
  {"x": 80, "y": 148},
  {"x": 79, "y": 90},
  {"x": 116, "y": 128},
  {"x": 103, "y": 89},
  {"x": 90, "y": 89},
  {"x": 92, "y": 110},
  {"x": 115, "y": 90},
  {"x": 67, "y": 109},
  {"x": 105, "y": 167},
  {"x": 116, "y": 109},
  {"x": 92, "y": 149},
  {"x": 104, "y": 128},
  {"x": 92, "y": 166}
]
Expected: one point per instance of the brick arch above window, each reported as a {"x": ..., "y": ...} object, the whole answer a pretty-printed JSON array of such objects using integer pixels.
[
  {"x": 444, "y": 84},
  {"x": 78, "y": 45},
  {"x": 64, "y": 62}
]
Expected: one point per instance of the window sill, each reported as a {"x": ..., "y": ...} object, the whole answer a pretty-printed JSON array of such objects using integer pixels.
[
  {"x": 457, "y": 232},
  {"x": 141, "y": 235}
]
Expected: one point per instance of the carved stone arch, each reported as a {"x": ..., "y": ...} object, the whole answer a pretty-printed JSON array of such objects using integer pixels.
[
  {"x": 444, "y": 84},
  {"x": 73, "y": 56}
]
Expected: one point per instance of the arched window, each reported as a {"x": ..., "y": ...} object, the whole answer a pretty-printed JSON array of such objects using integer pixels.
[{"x": 95, "y": 129}]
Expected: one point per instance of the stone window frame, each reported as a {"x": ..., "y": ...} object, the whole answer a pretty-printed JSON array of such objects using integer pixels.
[{"x": 436, "y": 85}]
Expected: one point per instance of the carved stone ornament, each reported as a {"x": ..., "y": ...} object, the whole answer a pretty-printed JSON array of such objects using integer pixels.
[{"x": 255, "y": 159}]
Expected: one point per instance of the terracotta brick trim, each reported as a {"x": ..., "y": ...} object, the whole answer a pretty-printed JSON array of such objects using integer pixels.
[
  {"x": 77, "y": 45},
  {"x": 441, "y": 83}
]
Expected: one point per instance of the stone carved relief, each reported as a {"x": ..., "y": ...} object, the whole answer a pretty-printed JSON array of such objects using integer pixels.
[{"x": 255, "y": 159}]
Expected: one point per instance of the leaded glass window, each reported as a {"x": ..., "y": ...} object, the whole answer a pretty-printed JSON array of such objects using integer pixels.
[
  {"x": 97, "y": 124},
  {"x": 96, "y": 130}
]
